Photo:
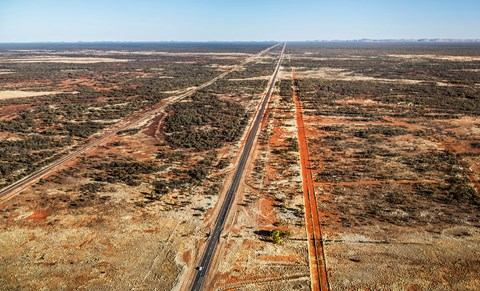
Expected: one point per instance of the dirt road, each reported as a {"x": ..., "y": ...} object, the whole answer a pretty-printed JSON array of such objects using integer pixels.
[
  {"x": 16, "y": 188},
  {"x": 318, "y": 270}
]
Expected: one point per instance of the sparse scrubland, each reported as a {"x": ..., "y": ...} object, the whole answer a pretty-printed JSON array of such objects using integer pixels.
[
  {"x": 390, "y": 133},
  {"x": 393, "y": 134}
]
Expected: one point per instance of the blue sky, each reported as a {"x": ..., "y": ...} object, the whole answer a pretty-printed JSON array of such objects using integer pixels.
[{"x": 159, "y": 20}]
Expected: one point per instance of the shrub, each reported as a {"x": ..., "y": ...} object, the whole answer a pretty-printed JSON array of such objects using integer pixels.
[{"x": 278, "y": 235}]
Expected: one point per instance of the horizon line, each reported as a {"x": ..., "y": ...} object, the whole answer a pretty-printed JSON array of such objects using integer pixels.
[{"x": 420, "y": 40}]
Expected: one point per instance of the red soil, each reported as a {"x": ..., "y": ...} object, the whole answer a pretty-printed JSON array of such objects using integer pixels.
[
  {"x": 37, "y": 215},
  {"x": 315, "y": 245},
  {"x": 12, "y": 109}
]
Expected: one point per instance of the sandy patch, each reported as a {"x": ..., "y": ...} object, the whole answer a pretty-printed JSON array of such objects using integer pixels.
[
  {"x": 9, "y": 136},
  {"x": 41, "y": 53},
  {"x": 345, "y": 75},
  {"x": 6, "y": 72},
  {"x": 328, "y": 59},
  {"x": 67, "y": 60},
  {"x": 171, "y": 53},
  {"x": 4, "y": 95},
  {"x": 437, "y": 57}
]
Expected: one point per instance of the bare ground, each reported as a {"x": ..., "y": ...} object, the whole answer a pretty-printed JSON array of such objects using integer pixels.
[
  {"x": 271, "y": 198},
  {"x": 5, "y": 95},
  {"x": 382, "y": 231}
]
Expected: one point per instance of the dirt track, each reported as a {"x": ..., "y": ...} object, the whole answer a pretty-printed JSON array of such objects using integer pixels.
[
  {"x": 56, "y": 236},
  {"x": 396, "y": 191},
  {"x": 137, "y": 120},
  {"x": 318, "y": 268}
]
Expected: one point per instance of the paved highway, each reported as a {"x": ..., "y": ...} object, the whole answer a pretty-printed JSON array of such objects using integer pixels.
[
  {"x": 20, "y": 185},
  {"x": 214, "y": 237}
]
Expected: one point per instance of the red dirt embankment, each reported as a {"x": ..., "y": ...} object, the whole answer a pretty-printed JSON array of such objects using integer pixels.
[{"x": 318, "y": 270}]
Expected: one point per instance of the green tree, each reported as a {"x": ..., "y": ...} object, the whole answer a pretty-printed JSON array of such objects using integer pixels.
[{"x": 278, "y": 235}]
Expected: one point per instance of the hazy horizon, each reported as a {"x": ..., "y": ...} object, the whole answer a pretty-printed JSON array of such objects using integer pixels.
[
  {"x": 428, "y": 40},
  {"x": 188, "y": 20}
]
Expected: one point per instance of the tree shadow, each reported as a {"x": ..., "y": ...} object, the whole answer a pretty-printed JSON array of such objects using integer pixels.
[{"x": 264, "y": 234}]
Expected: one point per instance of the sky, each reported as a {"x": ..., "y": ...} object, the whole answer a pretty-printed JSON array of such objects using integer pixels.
[{"x": 236, "y": 20}]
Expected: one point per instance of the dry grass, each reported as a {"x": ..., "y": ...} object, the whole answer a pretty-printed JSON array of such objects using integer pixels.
[
  {"x": 66, "y": 60},
  {"x": 5, "y": 95},
  {"x": 345, "y": 75},
  {"x": 438, "y": 57}
]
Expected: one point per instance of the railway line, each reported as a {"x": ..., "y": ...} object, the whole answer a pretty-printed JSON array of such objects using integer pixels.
[{"x": 17, "y": 187}]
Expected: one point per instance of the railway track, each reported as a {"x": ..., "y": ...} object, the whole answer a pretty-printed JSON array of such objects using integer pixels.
[{"x": 17, "y": 187}]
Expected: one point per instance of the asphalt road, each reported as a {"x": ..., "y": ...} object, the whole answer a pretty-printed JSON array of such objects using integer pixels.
[
  {"x": 214, "y": 237},
  {"x": 20, "y": 185}
]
